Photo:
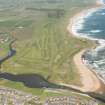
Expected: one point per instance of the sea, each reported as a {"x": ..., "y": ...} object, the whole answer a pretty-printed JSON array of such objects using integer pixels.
[{"x": 91, "y": 25}]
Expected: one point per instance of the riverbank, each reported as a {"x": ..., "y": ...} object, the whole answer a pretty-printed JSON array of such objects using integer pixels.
[{"x": 88, "y": 77}]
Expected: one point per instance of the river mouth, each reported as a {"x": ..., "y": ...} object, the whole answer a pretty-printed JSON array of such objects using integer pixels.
[{"x": 37, "y": 81}]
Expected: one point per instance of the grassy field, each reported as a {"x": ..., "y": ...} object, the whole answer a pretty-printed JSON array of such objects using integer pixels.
[
  {"x": 5, "y": 40},
  {"x": 43, "y": 44}
]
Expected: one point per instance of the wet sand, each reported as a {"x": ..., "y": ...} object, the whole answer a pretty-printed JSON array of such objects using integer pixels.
[{"x": 89, "y": 79}]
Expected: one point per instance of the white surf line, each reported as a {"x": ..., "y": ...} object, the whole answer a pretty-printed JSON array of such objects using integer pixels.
[
  {"x": 72, "y": 28},
  {"x": 77, "y": 21},
  {"x": 100, "y": 2}
]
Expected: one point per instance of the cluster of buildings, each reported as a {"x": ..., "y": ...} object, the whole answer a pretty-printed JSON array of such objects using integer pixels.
[
  {"x": 4, "y": 38},
  {"x": 14, "y": 97},
  {"x": 71, "y": 100}
]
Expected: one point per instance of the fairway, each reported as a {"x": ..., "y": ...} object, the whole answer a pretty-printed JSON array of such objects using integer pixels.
[{"x": 43, "y": 45}]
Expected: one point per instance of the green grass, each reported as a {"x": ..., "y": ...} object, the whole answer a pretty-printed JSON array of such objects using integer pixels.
[
  {"x": 44, "y": 48},
  {"x": 15, "y": 23},
  {"x": 42, "y": 93},
  {"x": 4, "y": 45},
  {"x": 19, "y": 86},
  {"x": 49, "y": 53}
]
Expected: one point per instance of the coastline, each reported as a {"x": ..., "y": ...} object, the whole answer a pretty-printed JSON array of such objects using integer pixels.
[{"x": 88, "y": 77}]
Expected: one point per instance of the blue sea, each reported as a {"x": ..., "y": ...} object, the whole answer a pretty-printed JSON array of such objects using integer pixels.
[
  {"x": 103, "y": 1},
  {"x": 92, "y": 26}
]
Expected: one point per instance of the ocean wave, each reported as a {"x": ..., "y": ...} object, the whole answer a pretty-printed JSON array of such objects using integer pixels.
[
  {"x": 78, "y": 24},
  {"x": 102, "y": 13},
  {"x": 78, "y": 21},
  {"x": 101, "y": 2},
  {"x": 93, "y": 58},
  {"x": 95, "y": 31}
]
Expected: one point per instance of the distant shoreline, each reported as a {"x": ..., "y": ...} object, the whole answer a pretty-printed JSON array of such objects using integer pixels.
[{"x": 88, "y": 77}]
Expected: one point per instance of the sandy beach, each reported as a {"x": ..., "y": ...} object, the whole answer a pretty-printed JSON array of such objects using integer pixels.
[
  {"x": 89, "y": 79},
  {"x": 99, "y": 2},
  {"x": 79, "y": 17}
]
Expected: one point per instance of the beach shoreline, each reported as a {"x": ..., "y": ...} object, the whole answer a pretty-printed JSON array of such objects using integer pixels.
[{"x": 88, "y": 76}]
